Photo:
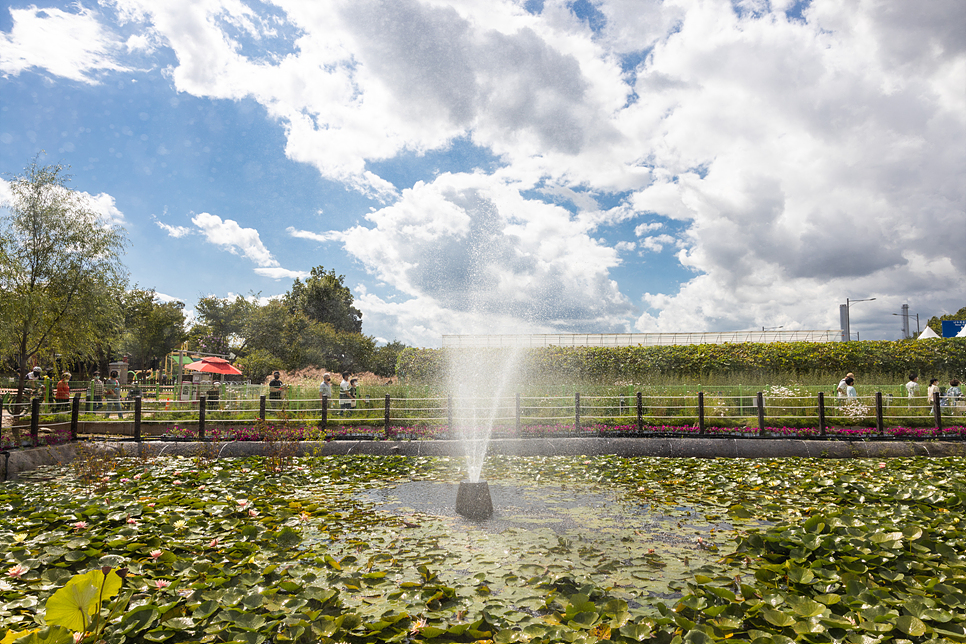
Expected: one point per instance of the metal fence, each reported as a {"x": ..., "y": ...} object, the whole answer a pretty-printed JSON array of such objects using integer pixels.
[{"x": 765, "y": 413}]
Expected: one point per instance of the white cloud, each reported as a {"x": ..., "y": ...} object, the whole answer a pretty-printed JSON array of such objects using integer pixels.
[
  {"x": 801, "y": 160},
  {"x": 656, "y": 243},
  {"x": 278, "y": 273},
  {"x": 643, "y": 229},
  {"x": 470, "y": 252},
  {"x": 234, "y": 238},
  {"x": 72, "y": 45},
  {"x": 173, "y": 231}
]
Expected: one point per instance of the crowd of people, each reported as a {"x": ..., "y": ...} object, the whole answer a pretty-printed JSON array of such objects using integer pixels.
[{"x": 950, "y": 398}]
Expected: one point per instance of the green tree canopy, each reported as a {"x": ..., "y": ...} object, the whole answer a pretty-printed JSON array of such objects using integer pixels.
[
  {"x": 61, "y": 275},
  {"x": 325, "y": 298},
  {"x": 151, "y": 328}
]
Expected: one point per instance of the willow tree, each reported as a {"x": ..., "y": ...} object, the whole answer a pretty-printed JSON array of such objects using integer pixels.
[{"x": 61, "y": 276}]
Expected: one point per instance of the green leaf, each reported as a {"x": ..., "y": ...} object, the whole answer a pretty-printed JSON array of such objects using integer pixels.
[
  {"x": 72, "y": 605},
  {"x": 777, "y": 617},
  {"x": 911, "y": 625}
]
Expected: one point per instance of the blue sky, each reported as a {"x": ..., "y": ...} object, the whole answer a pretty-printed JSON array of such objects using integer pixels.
[{"x": 590, "y": 166}]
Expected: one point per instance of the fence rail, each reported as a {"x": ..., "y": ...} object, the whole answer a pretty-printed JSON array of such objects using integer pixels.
[{"x": 763, "y": 414}]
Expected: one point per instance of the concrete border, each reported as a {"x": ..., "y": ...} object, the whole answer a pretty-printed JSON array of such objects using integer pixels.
[{"x": 17, "y": 461}]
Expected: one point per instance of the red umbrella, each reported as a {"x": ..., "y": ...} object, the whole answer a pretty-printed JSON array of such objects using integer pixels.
[{"x": 213, "y": 365}]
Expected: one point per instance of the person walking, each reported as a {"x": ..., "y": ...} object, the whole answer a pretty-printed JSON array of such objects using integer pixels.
[
  {"x": 62, "y": 394},
  {"x": 112, "y": 392},
  {"x": 850, "y": 389},
  {"x": 97, "y": 392}
]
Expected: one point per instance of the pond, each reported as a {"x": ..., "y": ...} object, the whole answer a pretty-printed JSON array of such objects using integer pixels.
[{"x": 369, "y": 549}]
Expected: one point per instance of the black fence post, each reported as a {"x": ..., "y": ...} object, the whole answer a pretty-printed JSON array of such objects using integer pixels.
[
  {"x": 261, "y": 407},
  {"x": 388, "y": 430},
  {"x": 577, "y": 412},
  {"x": 937, "y": 412},
  {"x": 879, "y": 423},
  {"x": 640, "y": 413},
  {"x": 325, "y": 411},
  {"x": 202, "y": 404},
  {"x": 137, "y": 419},
  {"x": 701, "y": 413},
  {"x": 760, "y": 400},
  {"x": 821, "y": 413},
  {"x": 518, "y": 414},
  {"x": 74, "y": 414},
  {"x": 35, "y": 421}
]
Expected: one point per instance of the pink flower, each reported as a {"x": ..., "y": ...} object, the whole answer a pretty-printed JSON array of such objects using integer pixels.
[
  {"x": 132, "y": 520},
  {"x": 137, "y": 477},
  {"x": 881, "y": 465},
  {"x": 242, "y": 503},
  {"x": 17, "y": 571},
  {"x": 156, "y": 553},
  {"x": 245, "y": 470},
  {"x": 304, "y": 516},
  {"x": 150, "y": 505},
  {"x": 201, "y": 488},
  {"x": 176, "y": 482},
  {"x": 253, "y": 513},
  {"x": 78, "y": 638},
  {"x": 80, "y": 525},
  {"x": 125, "y": 480},
  {"x": 214, "y": 543},
  {"x": 161, "y": 583}
]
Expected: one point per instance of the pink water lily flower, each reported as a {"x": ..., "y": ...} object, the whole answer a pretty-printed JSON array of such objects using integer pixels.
[
  {"x": 17, "y": 571},
  {"x": 156, "y": 553},
  {"x": 125, "y": 480},
  {"x": 80, "y": 525},
  {"x": 161, "y": 583},
  {"x": 214, "y": 543},
  {"x": 242, "y": 503},
  {"x": 132, "y": 520},
  {"x": 253, "y": 513}
]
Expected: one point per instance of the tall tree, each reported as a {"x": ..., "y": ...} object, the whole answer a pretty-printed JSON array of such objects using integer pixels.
[
  {"x": 325, "y": 298},
  {"x": 151, "y": 328},
  {"x": 61, "y": 274}
]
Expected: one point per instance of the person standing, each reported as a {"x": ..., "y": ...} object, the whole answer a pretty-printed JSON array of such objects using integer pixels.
[
  {"x": 345, "y": 401},
  {"x": 849, "y": 389},
  {"x": 112, "y": 392},
  {"x": 62, "y": 394},
  {"x": 325, "y": 388},
  {"x": 912, "y": 386},
  {"x": 841, "y": 391},
  {"x": 353, "y": 392},
  {"x": 97, "y": 392},
  {"x": 953, "y": 394},
  {"x": 931, "y": 392},
  {"x": 275, "y": 389},
  {"x": 35, "y": 380}
]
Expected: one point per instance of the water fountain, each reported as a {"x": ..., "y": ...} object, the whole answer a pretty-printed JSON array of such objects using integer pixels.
[{"x": 478, "y": 381}]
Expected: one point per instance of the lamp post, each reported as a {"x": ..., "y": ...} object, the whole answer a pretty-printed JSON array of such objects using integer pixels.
[
  {"x": 846, "y": 327},
  {"x": 917, "y": 320}
]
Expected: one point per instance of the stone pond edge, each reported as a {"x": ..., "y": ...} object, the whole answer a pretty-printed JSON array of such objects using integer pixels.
[{"x": 13, "y": 463}]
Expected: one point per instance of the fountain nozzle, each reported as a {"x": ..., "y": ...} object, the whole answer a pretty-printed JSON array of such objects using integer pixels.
[{"x": 473, "y": 500}]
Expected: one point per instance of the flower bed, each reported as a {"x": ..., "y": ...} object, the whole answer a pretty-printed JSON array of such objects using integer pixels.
[
  {"x": 439, "y": 432},
  {"x": 56, "y": 436}
]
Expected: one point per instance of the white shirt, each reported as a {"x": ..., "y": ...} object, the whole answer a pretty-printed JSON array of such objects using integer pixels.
[
  {"x": 325, "y": 389},
  {"x": 911, "y": 387}
]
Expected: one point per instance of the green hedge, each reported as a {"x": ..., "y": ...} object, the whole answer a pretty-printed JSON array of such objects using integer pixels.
[{"x": 939, "y": 357}]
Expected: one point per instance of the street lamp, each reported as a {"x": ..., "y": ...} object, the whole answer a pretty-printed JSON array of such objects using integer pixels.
[
  {"x": 917, "y": 320},
  {"x": 844, "y": 314}
]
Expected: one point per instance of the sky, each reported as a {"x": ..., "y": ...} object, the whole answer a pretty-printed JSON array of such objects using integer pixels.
[{"x": 598, "y": 166}]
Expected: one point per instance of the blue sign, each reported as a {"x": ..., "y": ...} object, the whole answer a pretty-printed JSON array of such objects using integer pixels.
[{"x": 951, "y": 328}]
